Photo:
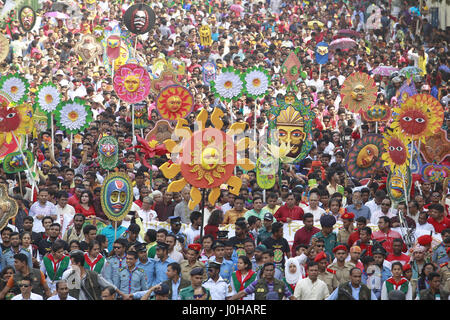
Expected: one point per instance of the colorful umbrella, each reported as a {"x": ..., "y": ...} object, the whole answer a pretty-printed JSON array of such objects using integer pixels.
[
  {"x": 342, "y": 43},
  {"x": 57, "y": 15},
  {"x": 236, "y": 8},
  {"x": 384, "y": 71},
  {"x": 411, "y": 70},
  {"x": 348, "y": 33}
]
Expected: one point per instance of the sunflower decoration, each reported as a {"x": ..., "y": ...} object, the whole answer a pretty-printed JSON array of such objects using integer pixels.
[
  {"x": 48, "y": 97},
  {"x": 228, "y": 85},
  {"x": 364, "y": 157},
  {"x": 174, "y": 102},
  {"x": 396, "y": 153},
  {"x": 132, "y": 83},
  {"x": 15, "y": 86},
  {"x": 358, "y": 92},
  {"x": 206, "y": 158},
  {"x": 256, "y": 82},
  {"x": 420, "y": 116},
  {"x": 73, "y": 116}
]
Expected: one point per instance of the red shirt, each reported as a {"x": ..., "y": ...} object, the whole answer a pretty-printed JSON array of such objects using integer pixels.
[
  {"x": 388, "y": 237},
  {"x": 303, "y": 236},
  {"x": 73, "y": 201},
  {"x": 354, "y": 236},
  {"x": 402, "y": 258},
  {"x": 439, "y": 226},
  {"x": 86, "y": 213},
  {"x": 296, "y": 213}
]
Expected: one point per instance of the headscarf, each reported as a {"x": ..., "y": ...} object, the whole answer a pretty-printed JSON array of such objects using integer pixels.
[{"x": 292, "y": 278}]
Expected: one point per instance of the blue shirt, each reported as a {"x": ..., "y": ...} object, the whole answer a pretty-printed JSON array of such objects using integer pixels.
[
  {"x": 149, "y": 268},
  {"x": 109, "y": 233},
  {"x": 355, "y": 294},
  {"x": 8, "y": 258},
  {"x": 226, "y": 269},
  {"x": 385, "y": 274},
  {"x": 439, "y": 254},
  {"x": 113, "y": 266},
  {"x": 130, "y": 281},
  {"x": 364, "y": 211},
  {"x": 160, "y": 271},
  {"x": 175, "y": 286}
]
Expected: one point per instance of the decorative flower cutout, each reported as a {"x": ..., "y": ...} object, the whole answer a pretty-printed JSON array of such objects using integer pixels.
[
  {"x": 419, "y": 116},
  {"x": 256, "y": 82},
  {"x": 15, "y": 86},
  {"x": 73, "y": 116},
  {"x": 48, "y": 97},
  {"x": 228, "y": 85},
  {"x": 132, "y": 83},
  {"x": 174, "y": 102}
]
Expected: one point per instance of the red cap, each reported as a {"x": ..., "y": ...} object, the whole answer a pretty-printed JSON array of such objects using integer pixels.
[
  {"x": 407, "y": 266},
  {"x": 424, "y": 240},
  {"x": 195, "y": 246},
  {"x": 340, "y": 247},
  {"x": 320, "y": 256},
  {"x": 348, "y": 215},
  {"x": 448, "y": 250}
]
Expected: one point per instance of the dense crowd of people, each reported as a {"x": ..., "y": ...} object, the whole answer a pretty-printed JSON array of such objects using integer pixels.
[{"x": 62, "y": 246}]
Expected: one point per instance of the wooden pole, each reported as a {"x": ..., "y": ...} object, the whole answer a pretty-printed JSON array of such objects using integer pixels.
[
  {"x": 203, "y": 212},
  {"x": 70, "y": 154}
]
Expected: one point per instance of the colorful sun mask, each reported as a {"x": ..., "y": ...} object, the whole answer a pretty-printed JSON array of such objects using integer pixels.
[
  {"x": 139, "y": 18},
  {"x": 435, "y": 173},
  {"x": 88, "y": 49},
  {"x": 292, "y": 126},
  {"x": 377, "y": 113},
  {"x": 205, "y": 35},
  {"x": 206, "y": 158},
  {"x": 8, "y": 206},
  {"x": 358, "y": 92},
  {"x": 420, "y": 116},
  {"x": 395, "y": 187},
  {"x": 436, "y": 148},
  {"x": 266, "y": 170},
  {"x": 108, "y": 151},
  {"x": 15, "y": 121},
  {"x": 174, "y": 103},
  {"x": 396, "y": 151},
  {"x": 322, "y": 53},
  {"x": 116, "y": 196},
  {"x": 132, "y": 83},
  {"x": 209, "y": 72},
  {"x": 27, "y": 18},
  {"x": 364, "y": 157}
]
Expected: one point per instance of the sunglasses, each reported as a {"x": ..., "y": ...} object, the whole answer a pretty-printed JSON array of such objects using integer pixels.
[
  {"x": 117, "y": 247},
  {"x": 198, "y": 296},
  {"x": 24, "y": 285}
]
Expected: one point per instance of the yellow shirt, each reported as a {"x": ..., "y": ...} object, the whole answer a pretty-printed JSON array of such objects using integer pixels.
[
  {"x": 232, "y": 215},
  {"x": 272, "y": 211}
]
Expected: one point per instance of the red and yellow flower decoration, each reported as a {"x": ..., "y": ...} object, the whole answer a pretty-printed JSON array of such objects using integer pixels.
[
  {"x": 174, "y": 102},
  {"x": 206, "y": 158},
  {"x": 420, "y": 116}
]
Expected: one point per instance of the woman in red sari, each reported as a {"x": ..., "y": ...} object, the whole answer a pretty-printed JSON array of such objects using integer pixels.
[{"x": 86, "y": 205}]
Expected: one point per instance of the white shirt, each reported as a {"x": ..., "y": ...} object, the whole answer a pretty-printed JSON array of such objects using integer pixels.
[
  {"x": 147, "y": 216},
  {"x": 218, "y": 290},
  {"x": 49, "y": 209},
  {"x": 64, "y": 216},
  {"x": 375, "y": 216},
  {"x": 423, "y": 229},
  {"x": 176, "y": 256},
  {"x": 372, "y": 206},
  {"x": 308, "y": 290},
  {"x": 56, "y": 297},
  {"x": 191, "y": 234},
  {"x": 317, "y": 213},
  {"x": 33, "y": 296}
]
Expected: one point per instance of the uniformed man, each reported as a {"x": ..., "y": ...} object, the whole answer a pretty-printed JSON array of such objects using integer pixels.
[
  {"x": 341, "y": 267},
  {"x": 347, "y": 228},
  {"x": 146, "y": 263},
  {"x": 226, "y": 266},
  {"x": 439, "y": 252},
  {"x": 117, "y": 261},
  {"x": 131, "y": 279},
  {"x": 444, "y": 270},
  {"x": 161, "y": 263},
  {"x": 217, "y": 286},
  {"x": 175, "y": 227},
  {"x": 325, "y": 274},
  {"x": 191, "y": 262},
  {"x": 195, "y": 291},
  {"x": 329, "y": 237}
]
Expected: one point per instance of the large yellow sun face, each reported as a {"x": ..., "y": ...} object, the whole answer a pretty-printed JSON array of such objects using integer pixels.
[
  {"x": 131, "y": 83},
  {"x": 206, "y": 158},
  {"x": 174, "y": 102}
]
